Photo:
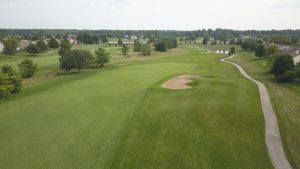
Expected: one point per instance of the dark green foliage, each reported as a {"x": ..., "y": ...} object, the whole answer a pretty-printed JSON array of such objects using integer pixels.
[
  {"x": 250, "y": 45},
  {"x": 205, "y": 40},
  {"x": 53, "y": 43},
  {"x": 104, "y": 39},
  {"x": 101, "y": 57},
  {"x": 76, "y": 59},
  {"x": 10, "y": 46},
  {"x": 272, "y": 50},
  {"x": 146, "y": 50},
  {"x": 232, "y": 50},
  {"x": 42, "y": 45},
  {"x": 33, "y": 49},
  {"x": 260, "y": 51},
  {"x": 65, "y": 46},
  {"x": 10, "y": 81},
  {"x": 164, "y": 44},
  {"x": 137, "y": 46},
  {"x": 283, "y": 67},
  {"x": 160, "y": 46},
  {"x": 120, "y": 42},
  {"x": 125, "y": 49},
  {"x": 87, "y": 38},
  {"x": 27, "y": 68}
]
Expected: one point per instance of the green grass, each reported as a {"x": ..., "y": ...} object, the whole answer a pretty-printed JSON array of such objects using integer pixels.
[
  {"x": 285, "y": 99},
  {"x": 120, "y": 117}
]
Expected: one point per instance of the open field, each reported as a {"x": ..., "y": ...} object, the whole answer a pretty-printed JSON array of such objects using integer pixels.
[
  {"x": 285, "y": 100},
  {"x": 120, "y": 117}
]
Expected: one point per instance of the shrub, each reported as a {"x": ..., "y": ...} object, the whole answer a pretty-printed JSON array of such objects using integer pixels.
[
  {"x": 260, "y": 51},
  {"x": 282, "y": 68},
  {"x": 32, "y": 49},
  {"x": 53, "y": 43},
  {"x": 146, "y": 50},
  {"x": 27, "y": 68},
  {"x": 125, "y": 49},
  {"x": 76, "y": 59},
  {"x": 101, "y": 58},
  {"x": 10, "y": 46},
  {"x": 10, "y": 81},
  {"x": 160, "y": 46},
  {"x": 42, "y": 45}
]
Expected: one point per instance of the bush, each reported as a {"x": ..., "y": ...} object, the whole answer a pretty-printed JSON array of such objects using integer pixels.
[
  {"x": 260, "y": 51},
  {"x": 160, "y": 46},
  {"x": 10, "y": 81},
  {"x": 27, "y": 68},
  {"x": 32, "y": 49},
  {"x": 101, "y": 58},
  {"x": 42, "y": 45},
  {"x": 10, "y": 46},
  {"x": 282, "y": 68},
  {"x": 146, "y": 50},
  {"x": 76, "y": 59},
  {"x": 53, "y": 43}
]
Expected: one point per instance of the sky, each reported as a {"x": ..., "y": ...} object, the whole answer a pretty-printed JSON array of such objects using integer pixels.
[{"x": 150, "y": 14}]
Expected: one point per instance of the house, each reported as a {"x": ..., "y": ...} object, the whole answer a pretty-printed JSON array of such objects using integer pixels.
[
  {"x": 72, "y": 40},
  {"x": 295, "y": 53},
  {"x": 22, "y": 45},
  {"x": 1, "y": 47}
]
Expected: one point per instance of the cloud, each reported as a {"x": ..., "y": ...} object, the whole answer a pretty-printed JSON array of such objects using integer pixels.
[{"x": 121, "y": 1}]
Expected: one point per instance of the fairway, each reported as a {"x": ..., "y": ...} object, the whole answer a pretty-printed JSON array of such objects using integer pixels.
[{"x": 120, "y": 117}]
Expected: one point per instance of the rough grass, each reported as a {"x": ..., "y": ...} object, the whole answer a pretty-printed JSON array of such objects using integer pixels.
[
  {"x": 120, "y": 117},
  {"x": 285, "y": 99}
]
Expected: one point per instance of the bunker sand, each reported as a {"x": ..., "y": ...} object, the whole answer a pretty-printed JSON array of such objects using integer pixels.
[{"x": 179, "y": 82}]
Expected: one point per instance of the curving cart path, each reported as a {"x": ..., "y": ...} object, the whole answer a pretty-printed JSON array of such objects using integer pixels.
[{"x": 272, "y": 134}]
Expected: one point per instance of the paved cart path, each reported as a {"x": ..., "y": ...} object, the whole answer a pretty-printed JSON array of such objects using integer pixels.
[{"x": 272, "y": 134}]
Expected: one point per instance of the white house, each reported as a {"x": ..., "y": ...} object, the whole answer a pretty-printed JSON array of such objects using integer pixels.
[
  {"x": 295, "y": 53},
  {"x": 1, "y": 47}
]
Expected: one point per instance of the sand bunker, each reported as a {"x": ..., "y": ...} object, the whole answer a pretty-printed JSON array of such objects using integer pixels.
[{"x": 179, "y": 82}]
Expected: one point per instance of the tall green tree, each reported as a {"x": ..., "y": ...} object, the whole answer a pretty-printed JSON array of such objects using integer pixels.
[
  {"x": 284, "y": 68},
  {"x": 10, "y": 81},
  {"x": 137, "y": 46},
  {"x": 272, "y": 50},
  {"x": 10, "y": 46},
  {"x": 53, "y": 43},
  {"x": 101, "y": 57},
  {"x": 260, "y": 51},
  {"x": 232, "y": 50},
  {"x": 120, "y": 42},
  {"x": 27, "y": 68},
  {"x": 65, "y": 46},
  {"x": 42, "y": 45},
  {"x": 76, "y": 59},
  {"x": 32, "y": 49},
  {"x": 146, "y": 50},
  {"x": 125, "y": 49}
]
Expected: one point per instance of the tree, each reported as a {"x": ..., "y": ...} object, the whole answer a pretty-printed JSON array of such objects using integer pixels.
[
  {"x": 260, "y": 51},
  {"x": 146, "y": 50},
  {"x": 284, "y": 68},
  {"x": 10, "y": 81},
  {"x": 205, "y": 40},
  {"x": 137, "y": 47},
  {"x": 101, "y": 58},
  {"x": 53, "y": 43},
  {"x": 10, "y": 46},
  {"x": 76, "y": 59},
  {"x": 120, "y": 42},
  {"x": 42, "y": 45},
  {"x": 32, "y": 49},
  {"x": 160, "y": 46},
  {"x": 125, "y": 49},
  {"x": 232, "y": 50},
  {"x": 272, "y": 50},
  {"x": 65, "y": 46},
  {"x": 27, "y": 68}
]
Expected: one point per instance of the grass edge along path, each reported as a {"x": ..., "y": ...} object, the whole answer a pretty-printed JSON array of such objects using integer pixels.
[{"x": 272, "y": 134}]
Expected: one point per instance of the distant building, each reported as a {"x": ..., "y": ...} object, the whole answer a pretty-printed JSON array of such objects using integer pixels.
[
  {"x": 295, "y": 53},
  {"x": 72, "y": 40},
  {"x": 1, "y": 47},
  {"x": 22, "y": 45}
]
